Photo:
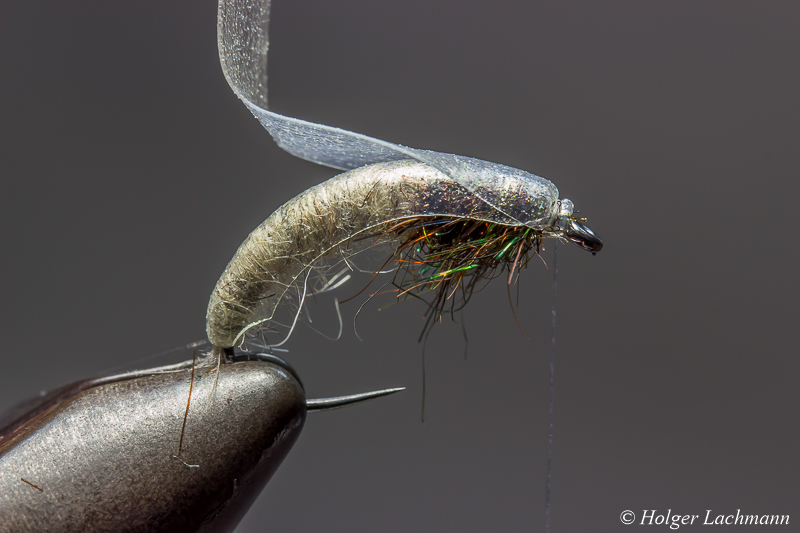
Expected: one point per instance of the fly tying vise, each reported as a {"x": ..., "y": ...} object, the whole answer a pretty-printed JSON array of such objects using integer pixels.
[{"x": 451, "y": 220}]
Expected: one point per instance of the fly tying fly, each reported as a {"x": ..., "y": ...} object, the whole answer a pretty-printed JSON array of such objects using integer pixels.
[{"x": 450, "y": 221}]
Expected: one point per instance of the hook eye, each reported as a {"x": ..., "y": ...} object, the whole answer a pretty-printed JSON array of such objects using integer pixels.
[{"x": 580, "y": 234}]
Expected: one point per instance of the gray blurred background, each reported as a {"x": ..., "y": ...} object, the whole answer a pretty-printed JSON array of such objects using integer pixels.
[{"x": 131, "y": 173}]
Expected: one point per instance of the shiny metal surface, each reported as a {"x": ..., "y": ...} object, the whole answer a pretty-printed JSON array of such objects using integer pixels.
[
  {"x": 102, "y": 455},
  {"x": 337, "y": 402}
]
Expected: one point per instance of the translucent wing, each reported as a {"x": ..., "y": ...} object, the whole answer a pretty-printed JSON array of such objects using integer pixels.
[{"x": 243, "y": 39}]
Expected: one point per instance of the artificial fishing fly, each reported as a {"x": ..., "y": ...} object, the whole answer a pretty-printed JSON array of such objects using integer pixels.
[{"x": 451, "y": 222}]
